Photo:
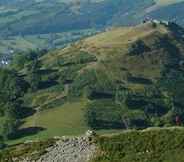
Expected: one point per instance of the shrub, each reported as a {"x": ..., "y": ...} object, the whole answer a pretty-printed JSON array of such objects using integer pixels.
[{"x": 138, "y": 48}]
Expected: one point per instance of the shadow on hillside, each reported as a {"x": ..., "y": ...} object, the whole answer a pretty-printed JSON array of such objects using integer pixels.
[
  {"x": 47, "y": 84},
  {"x": 47, "y": 71},
  {"x": 27, "y": 132},
  {"x": 26, "y": 112}
]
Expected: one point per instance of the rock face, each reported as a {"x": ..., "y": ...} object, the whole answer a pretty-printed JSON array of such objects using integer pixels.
[{"x": 77, "y": 149}]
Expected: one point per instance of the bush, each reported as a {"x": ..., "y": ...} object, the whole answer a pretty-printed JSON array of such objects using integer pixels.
[
  {"x": 94, "y": 84},
  {"x": 2, "y": 144},
  {"x": 138, "y": 48},
  {"x": 79, "y": 58}
]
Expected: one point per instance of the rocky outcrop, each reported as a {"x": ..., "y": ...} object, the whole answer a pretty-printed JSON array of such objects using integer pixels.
[
  {"x": 77, "y": 149},
  {"x": 65, "y": 149}
]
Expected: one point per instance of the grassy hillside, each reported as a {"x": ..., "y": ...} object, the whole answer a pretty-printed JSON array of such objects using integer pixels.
[
  {"x": 120, "y": 79},
  {"x": 126, "y": 78},
  {"x": 63, "y": 120},
  {"x": 150, "y": 145}
]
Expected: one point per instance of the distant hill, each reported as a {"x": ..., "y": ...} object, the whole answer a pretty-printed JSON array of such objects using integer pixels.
[
  {"x": 171, "y": 12},
  {"x": 20, "y": 19},
  {"x": 45, "y": 17}
]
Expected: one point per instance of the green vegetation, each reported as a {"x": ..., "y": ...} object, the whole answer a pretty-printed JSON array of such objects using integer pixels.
[
  {"x": 12, "y": 88},
  {"x": 67, "y": 119},
  {"x": 32, "y": 150},
  {"x": 121, "y": 79},
  {"x": 150, "y": 145}
]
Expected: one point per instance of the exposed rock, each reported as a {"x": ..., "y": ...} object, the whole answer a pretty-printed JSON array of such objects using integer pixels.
[
  {"x": 77, "y": 149},
  {"x": 69, "y": 149},
  {"x": 90, "y": 133}
]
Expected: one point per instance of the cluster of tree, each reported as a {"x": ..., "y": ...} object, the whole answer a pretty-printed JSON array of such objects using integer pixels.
[
  {"x": 172, "y": 82},
  {"x": 138, "y": 48},
  {"x": 31, "y": 64},
  {"x": 12, "y": 88},
  {"x": 20, "y": 60},
  {"x": 107, "y": 114},
  {"x": 157, "y": 105},
  {"x": 33, "y": 76}
]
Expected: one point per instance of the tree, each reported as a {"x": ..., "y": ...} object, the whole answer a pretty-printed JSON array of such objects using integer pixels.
[
  {"x": 2, "y": 144},
  {"x": 33, "y": 75},
  {"x": 12, "y": 88},
  {"x": 11, "y": 115},
  {"x": 11, "y": 84},
  {"x": 9, "y": 128},
  {"x": 20, "y": 60},
  {"x": 138, "y": 48}
]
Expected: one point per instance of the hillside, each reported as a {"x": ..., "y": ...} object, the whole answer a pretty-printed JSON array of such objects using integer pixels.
[
  {"x": 128, "y": 77},
  {"x": 150, "y": 145}
]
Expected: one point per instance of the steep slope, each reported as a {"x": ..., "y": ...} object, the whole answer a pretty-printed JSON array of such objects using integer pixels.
[{"x": 124, "y": 78}]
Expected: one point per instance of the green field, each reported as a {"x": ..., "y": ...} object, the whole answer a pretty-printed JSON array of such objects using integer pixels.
[{"x": 64, "y": 120}]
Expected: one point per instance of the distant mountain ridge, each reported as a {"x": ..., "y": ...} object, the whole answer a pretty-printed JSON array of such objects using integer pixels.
[
  {"x": 21, "y": 18},
  {"x": 44, "y": 16}
]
